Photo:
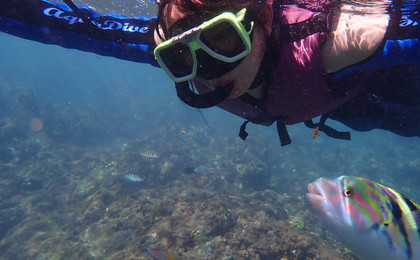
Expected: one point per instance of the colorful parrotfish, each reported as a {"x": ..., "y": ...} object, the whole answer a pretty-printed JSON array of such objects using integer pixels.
[
  {"x": 158, "y": 254},
  {"x": 373, "y": 221}
]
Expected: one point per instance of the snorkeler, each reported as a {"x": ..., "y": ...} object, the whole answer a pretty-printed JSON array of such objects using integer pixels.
[{"x": 267, "y": 61}]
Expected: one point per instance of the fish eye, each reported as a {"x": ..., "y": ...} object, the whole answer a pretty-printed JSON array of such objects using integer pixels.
[{"x": 348, "y": 193}]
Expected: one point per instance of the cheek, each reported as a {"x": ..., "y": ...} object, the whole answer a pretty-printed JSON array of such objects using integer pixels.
[{"x": 245, "y": 73}]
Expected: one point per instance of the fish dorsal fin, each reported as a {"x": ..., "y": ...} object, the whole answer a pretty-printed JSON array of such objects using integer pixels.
[
  {"x": 411, "y": 204},
  {"x": 411, "y": 221},
  {"x": 411, "y": 214}
]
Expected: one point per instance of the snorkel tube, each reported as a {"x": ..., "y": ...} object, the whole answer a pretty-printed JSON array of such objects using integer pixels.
[{"x": 207, "y": 100}]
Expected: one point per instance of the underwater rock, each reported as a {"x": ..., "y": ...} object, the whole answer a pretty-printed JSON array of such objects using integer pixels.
[
  {"x": 207, "y": 250},
  {"x": 166, "y": 167},
  {"x": 31, "y": 184},
  {"x": 9, "y": 217},
  {"x": 218, "y": 220},
  {"x": 94, "y": 212},
  {"x": 254, "y": 178},
  {"x": 10, "y": 129},
  {"x": 163, "y": 210},
  {"x": 7, "y": 155},
  {"x": 75, "y": 125},
  {"x": 26, "y": 100},
  {"x": 107, "y": 198},
  {"x": 184, "y": 239}
]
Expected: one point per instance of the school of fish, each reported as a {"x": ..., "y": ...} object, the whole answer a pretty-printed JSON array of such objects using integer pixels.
[{"x": 373, "y": 221}]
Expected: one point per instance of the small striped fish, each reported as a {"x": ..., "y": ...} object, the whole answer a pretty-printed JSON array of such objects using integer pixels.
[
  {"x": 373, "y": 221},
  {"x": 158, "y": 254},
  {"x": 133, "y": 178},
  {"x": 150, "y": 154}
]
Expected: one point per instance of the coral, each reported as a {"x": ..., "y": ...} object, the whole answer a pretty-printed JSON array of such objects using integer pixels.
[{"x": 297, "y": 223}]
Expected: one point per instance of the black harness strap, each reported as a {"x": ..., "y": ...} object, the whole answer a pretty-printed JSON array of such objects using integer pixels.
[
  {"x": 331, "y": 132},
  {"x": 283, "y": 134},
  {"x": 281, "y": 130},
  {"x": 83, "y": 14},
  {"x": 242, "y": 131}
]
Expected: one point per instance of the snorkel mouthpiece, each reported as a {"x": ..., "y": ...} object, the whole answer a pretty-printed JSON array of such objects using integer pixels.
[{"x": 202, "y": 100}]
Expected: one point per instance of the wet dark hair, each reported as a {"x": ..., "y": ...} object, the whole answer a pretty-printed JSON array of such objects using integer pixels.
[{"x": 199, "y": 10}]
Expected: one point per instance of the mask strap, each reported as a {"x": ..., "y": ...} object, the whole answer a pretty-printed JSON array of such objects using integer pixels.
[
  {"x": 86, "y": 18},
  {"x": 202, "y": 100}
]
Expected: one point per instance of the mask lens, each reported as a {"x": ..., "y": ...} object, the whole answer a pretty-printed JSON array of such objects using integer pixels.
[
  {"x": 178, "y": 59},
  {"x": 211, "y": 68},
  {"x": 223, "y": 39}
]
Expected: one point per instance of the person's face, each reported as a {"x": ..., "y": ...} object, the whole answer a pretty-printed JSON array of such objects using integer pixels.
[{"x": 244, "y": 74}]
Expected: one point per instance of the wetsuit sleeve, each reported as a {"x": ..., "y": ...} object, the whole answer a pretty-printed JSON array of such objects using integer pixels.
[{"x": 128, "y": 38}]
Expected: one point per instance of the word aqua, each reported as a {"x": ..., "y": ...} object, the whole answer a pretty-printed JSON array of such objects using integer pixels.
[{"x": 106, "y": 25}]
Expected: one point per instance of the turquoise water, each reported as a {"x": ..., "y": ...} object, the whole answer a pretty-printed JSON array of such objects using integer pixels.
[{"x": 63, "y": 195}]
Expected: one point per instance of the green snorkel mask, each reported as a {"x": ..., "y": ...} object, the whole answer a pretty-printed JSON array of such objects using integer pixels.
[
  {"x": 209, "y": 50},
  {"x": 224, "y": 38}
]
